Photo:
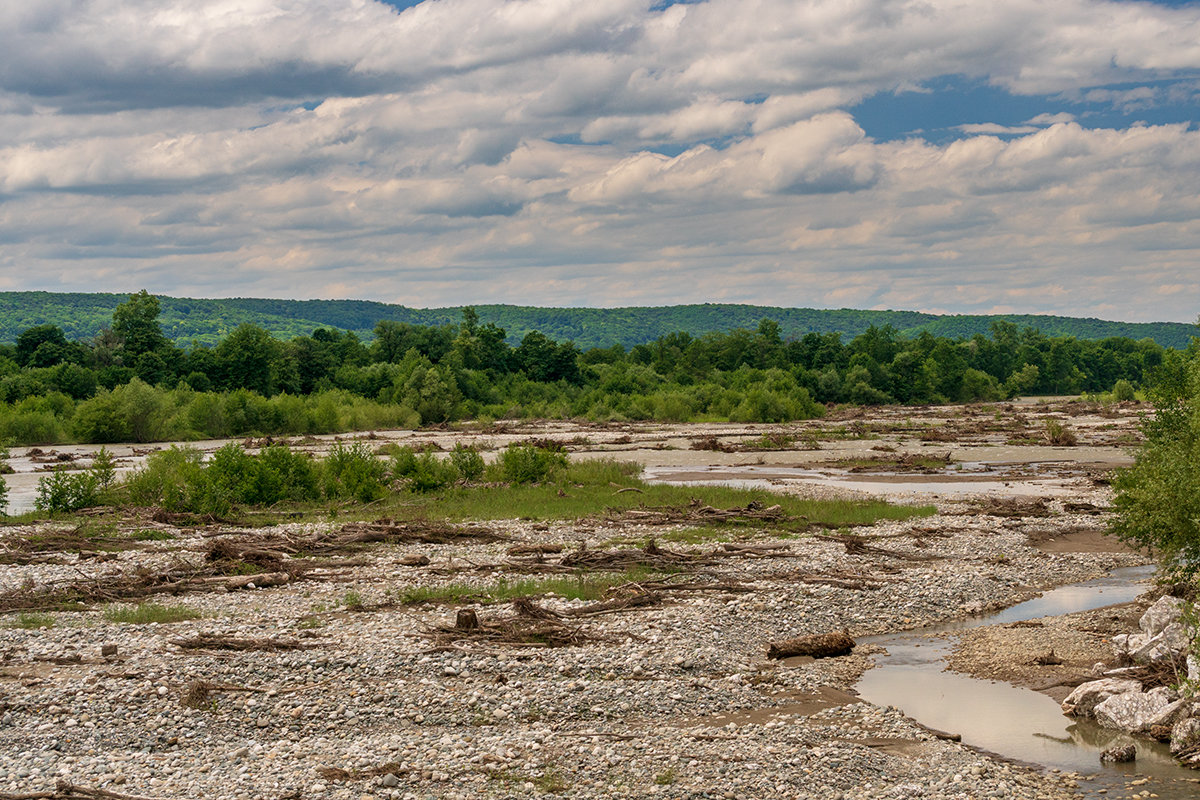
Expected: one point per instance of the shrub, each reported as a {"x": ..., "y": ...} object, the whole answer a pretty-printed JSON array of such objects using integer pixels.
[
  {"x": 1059, "y": 434},
  {"x": 169, "y": 479},
  {"x": 528, "y": 464},
  {"x": 1122, "y": 392},
  {"x": 61, "y": 492},
  {"x": 352, "y": 471},
  {"x": 423, "y": 472},
  {"x": 104, "y": 468},
  {"x": 467, "y": 461}
]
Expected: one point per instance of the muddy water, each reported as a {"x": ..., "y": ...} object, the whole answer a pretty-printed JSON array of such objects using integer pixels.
[{"x": 1018, "y": 723}]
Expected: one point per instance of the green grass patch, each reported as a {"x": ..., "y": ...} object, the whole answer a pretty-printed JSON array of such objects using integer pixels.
[
  {"x": 151, "y": 536},
  {"x": 146, "y": 613},
  {"x": 584, "y": 586},
  {"x": 31, "y": 621},
  {"x": 591, "y": 488}
]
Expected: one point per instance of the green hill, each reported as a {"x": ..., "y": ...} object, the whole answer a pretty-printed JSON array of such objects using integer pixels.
[{"x": 185, "y": 320}]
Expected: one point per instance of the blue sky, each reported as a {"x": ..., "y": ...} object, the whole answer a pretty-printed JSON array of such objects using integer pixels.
[{"x": 945, "y": 156}]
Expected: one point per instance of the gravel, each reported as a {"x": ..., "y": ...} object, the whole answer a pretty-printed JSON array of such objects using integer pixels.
[{"x": 374, "y": 709}]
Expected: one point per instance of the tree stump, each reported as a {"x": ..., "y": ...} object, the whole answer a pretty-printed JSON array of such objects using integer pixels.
[{"x": 466, "y": 620}]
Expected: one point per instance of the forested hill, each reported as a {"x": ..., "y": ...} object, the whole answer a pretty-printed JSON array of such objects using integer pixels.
[{"x": 185, "y": 320}]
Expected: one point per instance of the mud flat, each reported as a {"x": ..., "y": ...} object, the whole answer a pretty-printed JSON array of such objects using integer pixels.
[{"x": 339, "y": 681}]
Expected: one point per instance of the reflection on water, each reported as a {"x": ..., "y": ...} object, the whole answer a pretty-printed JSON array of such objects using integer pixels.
[{"x": 1013, "y": 722}]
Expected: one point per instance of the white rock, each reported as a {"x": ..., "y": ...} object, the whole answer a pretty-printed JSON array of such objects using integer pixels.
[
  {"x": 1167, "y": 611},
  {"x": 1185, "y": 734},
  {"x": 1084, "y": 699},
  {"x": 1168, "y": 645},
  {"x": 1132, "y": 711}
]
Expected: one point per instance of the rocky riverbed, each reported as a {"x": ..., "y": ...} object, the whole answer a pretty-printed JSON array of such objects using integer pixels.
[{"x": 332, "y": 687}]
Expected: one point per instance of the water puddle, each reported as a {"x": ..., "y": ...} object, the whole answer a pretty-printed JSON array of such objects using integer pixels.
[
  {"x": 971, "y": 479},
  {"x": 1017, "y": 723}
]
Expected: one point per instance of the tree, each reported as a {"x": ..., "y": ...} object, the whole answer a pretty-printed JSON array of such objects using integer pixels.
[
  {"x": 33, "y": 339},
  {"x": 135, "y": 323},
  {"x": 1158, "y": 498},
  {"x": 246, "y": 357}
]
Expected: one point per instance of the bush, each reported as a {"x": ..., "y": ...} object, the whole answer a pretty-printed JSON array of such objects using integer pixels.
[
  {"x": 352, "y": 471},
  {"x": 61, "y": 492},
  {"x": 467, "y": 461},
  {"x": 423, "y": 472},
  {"x": 528, "y": 463},
  {"x": 1122, "y": 392},
  {"x": 3, "y": 484},
  {"x": 1158, "y": 498},
  {"x": 169, "y": 479}
]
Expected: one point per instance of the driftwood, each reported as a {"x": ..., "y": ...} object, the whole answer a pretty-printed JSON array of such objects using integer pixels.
[
  {"x": 214, "y": 641},
  {"x": 530, "y": 625},
  {"x": 69, "y": 791},
  {"x": 258, "y": 581},
  {"x": 855, "y": 546},
  {"x": 821, "y": 645},
  {"x": 339, "y": 774},
  {"x": 697, "y": 513}
]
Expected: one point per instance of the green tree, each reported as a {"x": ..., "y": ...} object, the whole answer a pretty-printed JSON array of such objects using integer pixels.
[
  {"x": 1158, "y": 498},
  {"x": 135, "y": 324},
  {"x": 245, "y": 359}
]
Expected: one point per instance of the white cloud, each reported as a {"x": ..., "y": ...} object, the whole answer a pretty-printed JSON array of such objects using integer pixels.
[{"x": 562, "y": 151}]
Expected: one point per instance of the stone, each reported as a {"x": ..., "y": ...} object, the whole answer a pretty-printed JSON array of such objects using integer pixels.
[
  {"x": 1083, "y": 700},
  {"x": 1168, "y": 645},
  {"x": 1132, "y": 711},
  {"x": 1165, "y": 612},
  {"x": 1185, "y": 734},
  {"x": 108, "y": 650},
  {"x": 389, "y": 780},
  {"x": 1120, "y": 754}
]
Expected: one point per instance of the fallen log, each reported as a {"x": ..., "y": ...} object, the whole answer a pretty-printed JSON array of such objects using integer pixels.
[
  {"x": 820, "y": 645},
  {"x": 260, "y": 580}
]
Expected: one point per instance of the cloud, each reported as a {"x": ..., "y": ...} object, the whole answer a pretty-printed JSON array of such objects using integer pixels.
[{"x": 553, "y": 151}]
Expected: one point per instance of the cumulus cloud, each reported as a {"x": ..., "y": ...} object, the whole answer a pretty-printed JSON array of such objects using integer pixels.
[{"x": 557, "y": 151}]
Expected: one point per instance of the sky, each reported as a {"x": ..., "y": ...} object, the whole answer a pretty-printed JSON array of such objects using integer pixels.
[{"x": 948, "y": 156}]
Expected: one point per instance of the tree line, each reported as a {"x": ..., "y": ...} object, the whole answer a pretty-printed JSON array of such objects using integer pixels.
[{"x": 132, "y": 383}]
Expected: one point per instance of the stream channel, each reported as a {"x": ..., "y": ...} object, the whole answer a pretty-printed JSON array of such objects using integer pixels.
[
  {"x": 1008, "y": 721},
  {"x": 1012, "y": 722}
]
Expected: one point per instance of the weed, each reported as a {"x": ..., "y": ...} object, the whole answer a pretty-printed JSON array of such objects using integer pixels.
[
  {"x": 574, "y": 587},
  {"x": 32, "y": 621},
  {"x": 1058, "y": 434},
  {"x": 152, "y": 536},
  {"x": 353, "y": 600},
  {"x": 551, "y": 781},
  {"x": 666, "y": 777},
  {"x": 146, "y": 613}
]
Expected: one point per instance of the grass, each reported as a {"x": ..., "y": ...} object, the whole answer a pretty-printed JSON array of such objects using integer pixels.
[
  {"x": 32, "y": 621},
  {"x": 591, "y": 488},
  {"x": 590, "y": 586},
  {"x": 666, "y": 777},
  {"x": 146, "y": 613},
  {"x": 152, "y": 536}
]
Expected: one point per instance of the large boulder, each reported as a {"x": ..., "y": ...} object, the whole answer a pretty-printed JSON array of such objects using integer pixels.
[
  {"x": 1168, "y": 645},
  {"x": 1165, "y": 612},
  {"x": 1185, "y": 734},
  {"x": 1134, "y": 712},
  {"x": 1083, "y": 700}
]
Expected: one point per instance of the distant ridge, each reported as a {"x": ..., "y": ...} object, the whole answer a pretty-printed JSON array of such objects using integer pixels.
[{"x": 184, "y": 320}]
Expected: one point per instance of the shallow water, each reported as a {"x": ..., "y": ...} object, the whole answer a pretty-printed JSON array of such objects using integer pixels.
[
  {"x": 973, "y": 479},
  {"x": 1007, "y": 720}
]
